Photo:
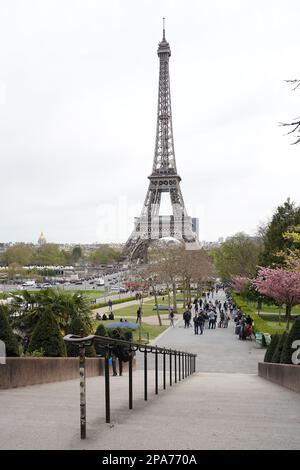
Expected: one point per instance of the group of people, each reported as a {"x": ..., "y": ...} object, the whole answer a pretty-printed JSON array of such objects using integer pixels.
[
  {"x": 110, "y": 316},
  {"x": 244, "y": 323},
  {"x": 207, "y": 313}
]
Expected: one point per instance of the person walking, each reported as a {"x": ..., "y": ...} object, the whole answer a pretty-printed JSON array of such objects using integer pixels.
[
  {"x": 215, "y": 318},
  {"x": 201, "y": 322},
  {"x": 196, "y": 324},
  {"x": 211, "y": 319},
  {"x": 109, "y": 303},
  {"x": 222, "y": 318},
  {"x": 139, "y": 315},
  {"x": 116, "y": 354},
  {"x": 171, "y": 317}
]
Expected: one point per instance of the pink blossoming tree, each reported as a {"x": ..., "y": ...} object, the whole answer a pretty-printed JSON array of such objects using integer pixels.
[{"x": 281, "y": 285}]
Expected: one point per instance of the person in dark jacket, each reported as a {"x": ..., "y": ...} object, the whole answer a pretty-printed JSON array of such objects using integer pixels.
[{"x": 116, "y": 354}]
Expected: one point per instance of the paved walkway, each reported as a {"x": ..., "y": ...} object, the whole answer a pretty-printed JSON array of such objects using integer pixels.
[{"x": 225, "y": 405}]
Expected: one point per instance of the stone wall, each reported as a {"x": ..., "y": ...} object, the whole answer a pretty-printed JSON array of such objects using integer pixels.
[
  {"x": 286, "y": 375},
  {"x": 19, "y": 372}
]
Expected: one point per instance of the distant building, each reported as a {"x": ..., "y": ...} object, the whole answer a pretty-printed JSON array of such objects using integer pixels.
[
  {"x": 195, "y": 226},
  {"x": 42, "y": 240}
]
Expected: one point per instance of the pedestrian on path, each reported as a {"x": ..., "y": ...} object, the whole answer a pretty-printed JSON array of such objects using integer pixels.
[
  {"x": 201, "y": 322},
  {"x": 139, "y": 315},
  {"x": 196, "y": 324},
  {"x": 109, "y": 303},
  {"x": 171, "y": 317},
  {"x": 211, "y": 318},
  {"x": 187, "y": 318}
]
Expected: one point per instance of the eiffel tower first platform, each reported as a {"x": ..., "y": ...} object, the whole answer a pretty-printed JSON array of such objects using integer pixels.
[{"x": 150, "y": 226}]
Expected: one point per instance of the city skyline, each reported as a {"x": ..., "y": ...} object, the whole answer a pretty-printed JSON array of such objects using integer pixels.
[{"x": 78, "y": 105}]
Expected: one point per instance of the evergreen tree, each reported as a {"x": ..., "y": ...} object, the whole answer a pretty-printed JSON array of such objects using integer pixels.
[
  {"x": 47, "y": 336},
  {"x": 278, "y": 350},
  {"x": 76, "y": 327},
  {"x": 7, "y": 334},
  {"x": 271, "y": 348},
  {"x": 100, "y": 331},
  {"x": 286, "y": 216},
  {"x": 287, "y": 351}
]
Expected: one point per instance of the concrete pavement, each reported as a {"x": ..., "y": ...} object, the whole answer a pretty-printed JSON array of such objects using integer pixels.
[{"x": 225, "y": 405}]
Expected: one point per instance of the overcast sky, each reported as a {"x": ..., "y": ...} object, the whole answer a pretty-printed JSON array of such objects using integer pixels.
[{"x": 78, "y": 99}]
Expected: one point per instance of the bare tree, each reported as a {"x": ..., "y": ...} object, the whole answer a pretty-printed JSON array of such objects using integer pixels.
[{"x": 295, "y": 124}]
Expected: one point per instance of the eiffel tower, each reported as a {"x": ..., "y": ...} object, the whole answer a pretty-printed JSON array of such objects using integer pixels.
[{"x": 150, "y": 226}]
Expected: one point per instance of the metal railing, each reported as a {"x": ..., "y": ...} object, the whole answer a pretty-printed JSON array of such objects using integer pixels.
[{"x": 184, "y": 365}]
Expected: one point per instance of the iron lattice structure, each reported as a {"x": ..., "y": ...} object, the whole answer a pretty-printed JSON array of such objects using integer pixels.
[{"x": 150, "y": 226}]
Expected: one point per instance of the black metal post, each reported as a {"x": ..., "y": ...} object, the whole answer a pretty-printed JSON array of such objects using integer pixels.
[
  {"x": 130, "y": 380},
  {"x": 107, "y": 392},
  {"x": 82, "y": 391},
  {"x": 156, "y": 371},
  {"x": 171, "y": 368},
  {"x": 145, "y": 376},
  {"x": 164, "y": 369},
  {"x": 183, "y": 366},
  {"x": 175, "y": 366},
  {"x": 179, "y": 366}
]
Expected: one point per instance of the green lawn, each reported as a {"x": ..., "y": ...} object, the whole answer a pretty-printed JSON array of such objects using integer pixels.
[
  {"x": 147, "y": 308},
  {"x": 272, "y": 308},
  {"x": 151, "y": 331},
  {"x": 91, "y": 294}
]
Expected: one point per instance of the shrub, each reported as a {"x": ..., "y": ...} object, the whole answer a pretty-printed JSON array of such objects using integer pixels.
[
  {"x": 76, "y": 327},
  {"x": 287, "y": 351},
  {"x": 99, "y": 348},
  {"x": 278, "y": 350},
  {"x": 127, "y": 335},
  {"x": 263, "y": 341},
  {"x": 7, "y": 334},
  {"x": 47, "y": 337},
  {"x": 116, "y": 301},
  {"x": 271, "y": 348}
]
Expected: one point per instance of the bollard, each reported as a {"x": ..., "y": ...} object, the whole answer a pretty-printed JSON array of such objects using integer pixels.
[
  {"x": 130, "y": 380},
  {"x": 156, "y": 371},
  {"x": 145, "y": 376},
  {"x": 164, "y": 369},
  {"x": 171, "y": 368},
  {"x": 82, "y": 391},
  {"x": 107, "y": 392}
]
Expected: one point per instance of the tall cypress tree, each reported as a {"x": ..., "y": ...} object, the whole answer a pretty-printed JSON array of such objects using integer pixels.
[
  {"x": 7, "y": 334},
  {"x": 77, "y": 326},
  {"x": 278, "y": 350},
  {"x": 287, "y": 351},
  {"x": 271, "y": 348},
  {"x": 47, "y": 336}
]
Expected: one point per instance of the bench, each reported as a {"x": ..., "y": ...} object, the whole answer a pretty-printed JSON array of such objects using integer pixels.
[{"x": 259, "y": 338}]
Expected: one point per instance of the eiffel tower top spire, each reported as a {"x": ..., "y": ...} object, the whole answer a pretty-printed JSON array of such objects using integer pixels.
[{"x": 164, "y": 154}]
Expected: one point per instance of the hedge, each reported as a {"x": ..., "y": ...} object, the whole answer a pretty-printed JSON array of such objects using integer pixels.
[{"x": 116, "y": 301}]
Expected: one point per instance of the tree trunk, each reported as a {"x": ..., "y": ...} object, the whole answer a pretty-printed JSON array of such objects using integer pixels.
[
  {"x": 174, "y": 297},
  {"x": 288, "y": 311},
  {"x": 157, "y": 311},
  {"x": 169, "y": 297}
]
